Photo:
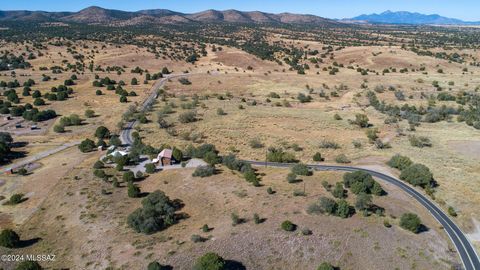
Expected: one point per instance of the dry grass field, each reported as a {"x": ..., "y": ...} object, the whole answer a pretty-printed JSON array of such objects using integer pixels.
[{"x": 82, "y": 219}]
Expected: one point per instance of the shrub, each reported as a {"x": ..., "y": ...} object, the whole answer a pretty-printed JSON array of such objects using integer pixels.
[
  {"x": 325, "y": 266},
  {"x": 187, "y": 117},
  {"x": 257, "y": 219},
  {"x": 89, "y": 113},
  {"x": 343, "y": 210},
  {"x": 157, "y": 213},
  {"x": 255, "y": 143},
  {"x": 399, "y": 162},
  {"x": 363, "y": 202},
  {"x": 150, "y": 168},
  {"x": 361, "y": 120},
  {"x": 9, "y": 238},
  {"x": 318, "y": 157},
  {"x": 278, "y": 155},
  {"x": 337, "y": 117},
  {"x": 204, "y": 171},
  {"x": 451, "y": 211},
  {"x": 291, "y": 177},
  {"x": 102, "y": 132},
  {"x": 338, "y": 191},
  {"x": 210, "y": 261},
  {"x": 29, "y": 265},
  {"x": 301, "y": 169},
  {"x": 128, "y": 176},
  {"x": 420, "y": 141},
  {"x": 98, "y": 92},
  {"x": 133, "y": 190},
  {"x": 100, "y": 174},
  {"x": 288, "y": 226},
  {"x": 342, "y": 158},
  {"x": 417, "y": 175},
  {"x": 235, "y": 219},
  {"x": 16, "y": 198},
  {"x": 270, "y": 191},
  {"x": 220, "y": 111},
  {"x": 411, "y": 222},
  {"x": 197, "y": 238},
  {"x": 86, "y": 145},
  {"x": 98, "y": 165},
  {"x": 329, "y": 144},
  {"x": 157, "y": 266}
]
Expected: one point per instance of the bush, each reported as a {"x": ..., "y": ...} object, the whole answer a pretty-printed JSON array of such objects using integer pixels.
[
  {"x": 363, "y": 202},
  {"x": 9, "y": 238},
  {"x": 255, "y": 143},
  {"x": 399, "y": 162},
  {"x": 343, "y": 210},
  {"x": 301, "y": 169},
  {"x": 411, "y": 222},
  {"x": 288, "y": 226},
  {"x": 59, "y": 128},
  {"x": 133, "y": 190},
  {"x": 89, "y": 113},
  {"x": 204, "y": 171},
  {"x": 361, "y": 120},
  {"x": 342, "y": 158},
  {"x": 420, "y": 141},
  {"x": 128, "y": 176},
  {"x": 210, "y": 261},
  {"x": 323, "y": 206},
  {"x": 187, "y": 117},
  {"x": 29, "y": 265},
  {"x": 235, "y": 219},
  {"x": 329, "y": 144},
  {"x": 98, "y": 165},
  {"x": 16, "y": 198},
  {"x": 86, "y": 145},
  {"x": 157, "y": 213},
  {"x": 451, "y": 211},
  {"x": 157, "y": 266},
  {"x": 417, "y": 175},
  {"x": 197, "y": 238},
  {"x": 325, "y": 266},
  {"x": 102, "y": 132},
  {"x": 123, "y": 99},
  {"x": 338, "y": 191},
  {"x": 291, "y": 177},
  {"x": 278, "y": 155},
  {"x": 150, "y": 168},
  {"x": 318, "y": 157}
]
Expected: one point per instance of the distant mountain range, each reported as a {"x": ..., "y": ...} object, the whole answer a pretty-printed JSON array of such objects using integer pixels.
[
  {"x": 405, "y": 17},
  {"x": 98, "y": 15}
]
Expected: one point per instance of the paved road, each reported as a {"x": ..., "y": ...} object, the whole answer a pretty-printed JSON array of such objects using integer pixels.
[
  {"x": 468, "y": 255},
  {"x": 126, "y": 132}
]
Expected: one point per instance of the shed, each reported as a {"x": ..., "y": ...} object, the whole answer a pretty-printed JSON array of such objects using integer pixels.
[{"x": 165, "y": 157}]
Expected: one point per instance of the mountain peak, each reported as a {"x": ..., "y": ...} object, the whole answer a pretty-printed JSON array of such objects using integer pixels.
[{"x": 406, "y": 17}]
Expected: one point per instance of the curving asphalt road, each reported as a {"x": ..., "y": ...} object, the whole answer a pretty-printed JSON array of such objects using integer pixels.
[{"x": 468, "y": 255}]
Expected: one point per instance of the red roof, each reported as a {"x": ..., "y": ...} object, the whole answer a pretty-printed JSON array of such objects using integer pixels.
[{"x": 166, "y": 153}]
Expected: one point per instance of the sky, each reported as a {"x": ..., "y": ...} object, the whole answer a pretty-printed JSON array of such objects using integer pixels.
[{"x": 468, "y": 10}]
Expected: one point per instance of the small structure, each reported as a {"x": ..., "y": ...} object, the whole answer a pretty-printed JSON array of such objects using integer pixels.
[
  {"x": 165, "y": 157},
  {"x": 118, "y": 153}
]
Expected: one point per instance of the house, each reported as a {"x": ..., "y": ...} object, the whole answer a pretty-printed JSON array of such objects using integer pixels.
[{"x": 165, "y": 157}]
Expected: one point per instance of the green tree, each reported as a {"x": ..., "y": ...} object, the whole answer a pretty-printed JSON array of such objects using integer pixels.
[
  {"x": 363, "y": 202},
  {"x": 133, "y": 190},
  {"x": 9, "y": 238},
  {"x": 102, "y": 132},
  {"x": 318, "y": 157},
  {"x": 210, "y": 261},
  {"x": 128, "y": 176},
  {"x": 399, "y": 162},
  {"x": 86, "y": 145},
  {"x": 411, "y": 222},
  {"x": 150, "y": 168},
  {"x": 157, "y": 266},
  {"x": 417, "y": 175},
  {"x": 344, "y": 210},
  {"x": 300, "y": 169}
]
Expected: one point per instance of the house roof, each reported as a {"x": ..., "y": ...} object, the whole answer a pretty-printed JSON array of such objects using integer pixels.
[{"x": 166, "y": 153}]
